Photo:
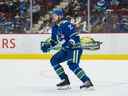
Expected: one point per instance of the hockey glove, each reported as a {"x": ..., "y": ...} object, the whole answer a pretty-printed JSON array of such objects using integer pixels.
[
  {"x": 45, "y": 47},
  {"x": 72, "y": 44}
]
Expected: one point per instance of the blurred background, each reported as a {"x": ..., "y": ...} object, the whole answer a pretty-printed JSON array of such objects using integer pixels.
[
  {"x": 14, "y": 16},
  {"x": 89, "y": 16}
]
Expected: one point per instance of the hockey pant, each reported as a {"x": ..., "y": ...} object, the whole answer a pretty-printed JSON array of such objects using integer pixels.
[{"x": 73, "y": 58}]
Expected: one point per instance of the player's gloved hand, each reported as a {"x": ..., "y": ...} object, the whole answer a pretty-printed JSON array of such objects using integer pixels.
[
  {"x": 45, "y": 47},
  {"x": 71, "y": 43}
]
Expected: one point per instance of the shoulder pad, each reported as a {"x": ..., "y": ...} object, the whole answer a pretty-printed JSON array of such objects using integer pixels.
[{"x": 64, "y": 21}]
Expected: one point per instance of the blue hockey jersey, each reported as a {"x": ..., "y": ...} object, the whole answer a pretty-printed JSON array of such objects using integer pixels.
[{"x": 65, "y": 31}]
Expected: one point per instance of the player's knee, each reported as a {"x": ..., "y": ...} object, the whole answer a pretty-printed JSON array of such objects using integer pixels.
[
  {"x": 53, "y": 61},
  {"x": 73, "y": 66}
]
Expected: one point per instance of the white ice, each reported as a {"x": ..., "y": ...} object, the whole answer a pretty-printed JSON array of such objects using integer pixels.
[{"x": 37, "y": 78}]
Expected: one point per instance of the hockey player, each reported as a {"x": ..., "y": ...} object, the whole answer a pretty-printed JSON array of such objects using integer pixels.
[{"x": 71, "y": 50}]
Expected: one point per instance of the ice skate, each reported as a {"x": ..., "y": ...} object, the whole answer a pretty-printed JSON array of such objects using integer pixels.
[
  {"x": 87, "y": 85},
  {"x": 65, "y": 84}
]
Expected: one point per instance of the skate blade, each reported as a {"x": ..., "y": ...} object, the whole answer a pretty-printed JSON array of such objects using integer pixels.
[
  {"x": 64, "y": 87},
  {"x": 90, "y": 88}
]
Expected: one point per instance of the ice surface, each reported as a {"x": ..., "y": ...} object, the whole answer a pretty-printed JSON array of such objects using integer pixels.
[{"x": 37, "y": 78}]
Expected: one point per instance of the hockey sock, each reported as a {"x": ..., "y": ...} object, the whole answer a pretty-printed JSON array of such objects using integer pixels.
[
  {"x": 81, "y": 74},
  {"x": 60, "y": 71}
]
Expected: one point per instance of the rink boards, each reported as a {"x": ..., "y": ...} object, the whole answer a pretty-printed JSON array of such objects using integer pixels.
[{"x": 27, "y": 46}]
